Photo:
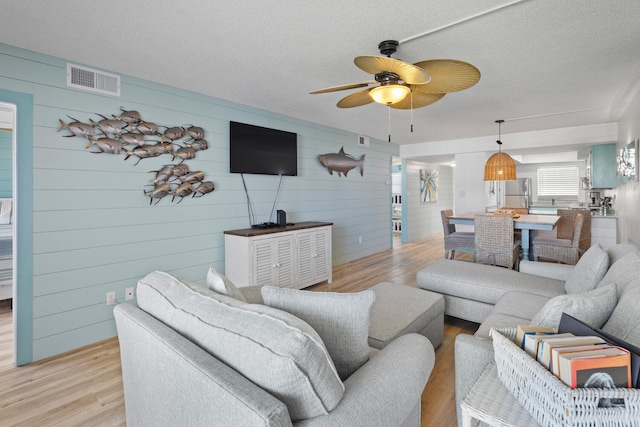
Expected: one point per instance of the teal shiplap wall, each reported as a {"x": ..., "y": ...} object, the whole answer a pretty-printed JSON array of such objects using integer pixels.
[
  {"x": 94, "y": 230},
  {"x": 6, "y": 149},
  {"x": 423, "y": 219}
]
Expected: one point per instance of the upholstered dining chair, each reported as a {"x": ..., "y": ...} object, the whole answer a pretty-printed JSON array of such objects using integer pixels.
[
  {"x": 495, "y": 244},
  {"x": 455, "y": 240},
  {"x": 565, "y": 227},
  {"x": 566, "y": 251}
]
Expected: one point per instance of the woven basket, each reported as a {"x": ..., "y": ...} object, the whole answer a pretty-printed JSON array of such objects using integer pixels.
[{"x": 549, "y": 400}]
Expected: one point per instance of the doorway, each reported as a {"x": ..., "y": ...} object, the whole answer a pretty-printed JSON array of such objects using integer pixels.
[{"x": 7, "y": 232}]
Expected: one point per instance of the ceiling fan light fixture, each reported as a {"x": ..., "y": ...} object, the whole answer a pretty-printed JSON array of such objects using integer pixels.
[
  {"x": 500, "y": 166},
  {"x": 389, "y": 94}
]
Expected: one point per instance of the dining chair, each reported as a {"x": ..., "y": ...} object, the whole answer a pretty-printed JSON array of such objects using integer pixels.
[
  {"x": 495, "y": 243},
  {"x": 455, "y": 240},
  {"x": 566, "y": 223},
  {"x": 566, "y": 251}
]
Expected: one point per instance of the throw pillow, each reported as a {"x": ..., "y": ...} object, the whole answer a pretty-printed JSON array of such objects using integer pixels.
[
  {"x": 275, "y": 350},
  {"x": 593, "y": 307},
  {"x": 219, "y": 283},
  {"x": 341, "y": 320},
  {"x": 588, "y": 272},
  {"x": 625, "y": 270},
  {"x": 624, "y": 322}
]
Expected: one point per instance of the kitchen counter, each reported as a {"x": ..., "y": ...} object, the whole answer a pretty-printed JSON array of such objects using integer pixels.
[{"x": 552, "y": 210}]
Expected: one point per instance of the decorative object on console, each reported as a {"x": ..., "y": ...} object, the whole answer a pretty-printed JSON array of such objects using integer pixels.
[
  {"x": 341, "y": 162},
  {"x": 500, "y": 166},
  {"x": 428, "y": 185},
  {"x": 628, "y": 162},
  {"x": 129, "y": 129}
]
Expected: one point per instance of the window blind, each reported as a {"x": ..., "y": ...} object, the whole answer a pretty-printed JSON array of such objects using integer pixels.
[{"x": 558, "y": 182}]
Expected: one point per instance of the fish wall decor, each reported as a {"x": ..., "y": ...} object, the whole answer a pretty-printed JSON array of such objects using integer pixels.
[
  {"x": 127, "y": 132},
  {"x": 341, "y": 162}
]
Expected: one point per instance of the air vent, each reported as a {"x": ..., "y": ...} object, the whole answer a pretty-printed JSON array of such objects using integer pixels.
[
  {"x": 93, "y": 80},
  {"x": 363, "y": 141}
]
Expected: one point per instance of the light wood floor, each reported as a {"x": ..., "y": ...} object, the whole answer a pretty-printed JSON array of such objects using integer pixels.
[{"x": 83, "y": 387}]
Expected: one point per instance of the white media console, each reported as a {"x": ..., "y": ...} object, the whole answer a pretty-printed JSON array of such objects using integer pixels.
[{"x": 295, "y": 256}]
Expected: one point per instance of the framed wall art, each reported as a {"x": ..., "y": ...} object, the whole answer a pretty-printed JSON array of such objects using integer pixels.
[
  {"x": 428, "y": 185},
  {"x": 628, "y": 162}
]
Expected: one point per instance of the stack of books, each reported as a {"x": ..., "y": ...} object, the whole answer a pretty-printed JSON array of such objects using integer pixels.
[{"x": 579, "y": 360}]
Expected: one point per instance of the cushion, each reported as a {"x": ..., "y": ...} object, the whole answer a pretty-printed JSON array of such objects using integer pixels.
[
  {"x": 624, "y": 321},
  {"x": 625, "y": 270},
  {"x": 616, "y": 252},
  {"x": 511, "y": 304},
  {"x": 588, "y": 272},
  {"x": 341, "y": 320},
  {"x": 219, "y": 283},
  {"x": 274, "y": 349},
  {"x": 593, "y": 307}
]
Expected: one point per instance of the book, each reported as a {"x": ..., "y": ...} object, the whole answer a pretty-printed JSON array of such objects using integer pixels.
[
  {"x": 546, "y": 345},
  {"x": 532, "y": 342},
  {"x": 531, "y": 330},
  {"x": 556, "y": 351},
  {"x": 602, "y": 368},
  {"x": 576, "y": 326}
]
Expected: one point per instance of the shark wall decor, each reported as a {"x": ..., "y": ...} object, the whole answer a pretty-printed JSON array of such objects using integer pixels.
[{"x": 341, "y": 162}]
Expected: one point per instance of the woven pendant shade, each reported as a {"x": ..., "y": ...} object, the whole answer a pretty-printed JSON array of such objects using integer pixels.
[{"x": 500, "y": 166}]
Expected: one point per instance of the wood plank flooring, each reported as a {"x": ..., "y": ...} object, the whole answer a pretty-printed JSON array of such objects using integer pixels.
[{"x": 83, "y": 387}]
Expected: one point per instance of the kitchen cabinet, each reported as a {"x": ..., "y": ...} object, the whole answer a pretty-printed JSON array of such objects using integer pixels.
[
  {"x": 601, "y": 166},
  {"x": 604, "y": 230},
  {"x": 293, "y": 256}
]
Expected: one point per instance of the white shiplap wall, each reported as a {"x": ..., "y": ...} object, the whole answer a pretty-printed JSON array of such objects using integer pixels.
[{"x": 94, "y": 231}]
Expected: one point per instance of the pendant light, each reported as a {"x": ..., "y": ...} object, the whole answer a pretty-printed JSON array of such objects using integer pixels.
[{"x": 500, "y": 166}]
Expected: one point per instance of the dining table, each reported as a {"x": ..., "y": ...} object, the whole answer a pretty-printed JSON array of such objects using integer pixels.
[{"x": 526, "y": 222}]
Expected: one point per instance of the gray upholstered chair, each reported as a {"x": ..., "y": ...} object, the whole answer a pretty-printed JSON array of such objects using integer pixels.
[
  {"x": 566, "y": 251},
  {"x": 455, "y": 240},
  {"x": 495, "y": 244}
]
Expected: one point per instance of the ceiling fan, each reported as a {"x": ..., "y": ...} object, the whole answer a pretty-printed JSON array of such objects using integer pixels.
[{"x": 401, "y": 85}]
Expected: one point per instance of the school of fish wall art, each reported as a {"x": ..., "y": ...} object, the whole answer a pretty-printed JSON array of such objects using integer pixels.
[{"x": 127, "y": 133}]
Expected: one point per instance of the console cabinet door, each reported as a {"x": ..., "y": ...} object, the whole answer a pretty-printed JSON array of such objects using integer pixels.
[
  {"x": 313, "y": 257},
  {"x": 274, "y": 262}
]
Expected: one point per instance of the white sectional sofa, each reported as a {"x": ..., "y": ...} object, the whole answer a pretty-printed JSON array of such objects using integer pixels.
[
  {"x": 192, "y": 356},
  {"x": 602, "y": 289}
]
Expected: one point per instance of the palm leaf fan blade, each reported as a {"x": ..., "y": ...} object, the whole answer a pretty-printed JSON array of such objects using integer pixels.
[
  {"x": 378, "y": 64},
  {"x": 355, "y": 99},
  {"x": 342, "y": 87},
  {"x": 448, "y": 75},
  {"x": 420, "y": 99}
]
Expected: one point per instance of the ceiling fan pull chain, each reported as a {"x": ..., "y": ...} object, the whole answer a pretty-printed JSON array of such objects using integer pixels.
[
  {"x": 389, "y": 110},
  {"x": 411, "y": 95}
]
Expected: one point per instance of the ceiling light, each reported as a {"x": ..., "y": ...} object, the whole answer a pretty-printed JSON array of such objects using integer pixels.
[
  {"x": 389, "y": 94},
  {"x": 500, "y": 166}
]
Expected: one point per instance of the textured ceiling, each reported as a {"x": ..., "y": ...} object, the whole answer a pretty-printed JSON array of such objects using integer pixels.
[{"x": 544, "y": 63}]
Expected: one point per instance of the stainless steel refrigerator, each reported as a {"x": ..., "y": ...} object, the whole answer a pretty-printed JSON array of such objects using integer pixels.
[{"x": 517, "y": 194}]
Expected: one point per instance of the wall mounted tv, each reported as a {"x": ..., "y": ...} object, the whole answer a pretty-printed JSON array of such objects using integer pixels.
[{"x": 259, "y": 150}]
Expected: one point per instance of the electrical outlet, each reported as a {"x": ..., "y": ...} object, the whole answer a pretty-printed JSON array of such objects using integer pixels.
[
  {"x": 129, "y": 293},
  {"x": 111, "y": 298}
]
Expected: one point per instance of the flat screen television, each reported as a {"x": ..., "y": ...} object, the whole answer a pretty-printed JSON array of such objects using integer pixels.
[{"x": 259, "y": 150}]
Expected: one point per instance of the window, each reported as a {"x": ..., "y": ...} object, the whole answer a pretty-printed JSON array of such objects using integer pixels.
[{"x": 558, "y": 183}]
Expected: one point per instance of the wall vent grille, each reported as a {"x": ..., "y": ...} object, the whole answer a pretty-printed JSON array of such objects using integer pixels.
[{"x": 92, "y": 80}]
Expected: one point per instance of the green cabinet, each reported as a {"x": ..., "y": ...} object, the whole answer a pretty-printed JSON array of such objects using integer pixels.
[{"x": 602, "y": 166}]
